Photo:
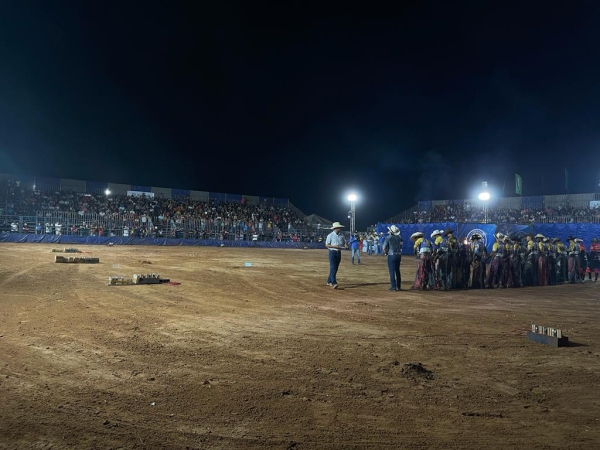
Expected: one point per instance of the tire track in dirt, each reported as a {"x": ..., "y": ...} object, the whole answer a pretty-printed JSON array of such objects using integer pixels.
[{"x": 11, "y": 277}]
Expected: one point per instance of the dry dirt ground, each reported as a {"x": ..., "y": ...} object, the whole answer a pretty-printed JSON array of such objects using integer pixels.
[{"x": 268, "y": 357}]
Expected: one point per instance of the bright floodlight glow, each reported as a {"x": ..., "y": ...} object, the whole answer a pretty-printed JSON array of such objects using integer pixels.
[
  {"x": 352, "y": 197},
  {"x": 107, "y": 192},
  {"x": 484, "y": 196}
]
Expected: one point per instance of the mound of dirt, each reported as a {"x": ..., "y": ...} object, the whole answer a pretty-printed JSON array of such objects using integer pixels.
[
  {"x": 145, "y": 262},
  {"x": 416, "y": 372}
]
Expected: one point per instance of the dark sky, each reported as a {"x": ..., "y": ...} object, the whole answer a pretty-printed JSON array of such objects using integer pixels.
[{"x": 417, "y": 102}]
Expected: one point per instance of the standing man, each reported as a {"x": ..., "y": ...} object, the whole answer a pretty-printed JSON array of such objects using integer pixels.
[
  {"x": 478, "y": 256},
  {"x": 561, "y": 261},
  {"x": 453, "y": 270},
  {"x": 334, "y": 243},
  {"x": 531, "y": 272},
  {"x": 495, "y": 276},
  {"x": 594, "y": 262},
  {"x": 541, "y": 261},
  {"x": 583, "y": 259},
  {"x": 392, "y": 247},
  {"x": 375, "y": 244},
  {"x": 422, "y": 250},
  {"x": 573, "y": 262},
  {"x": 370, "y": 244},
  {"x": 440, "y": 260},
  {"x": 355, "y": 248}
]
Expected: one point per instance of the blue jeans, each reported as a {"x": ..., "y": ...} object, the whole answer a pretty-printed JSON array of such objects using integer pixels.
[
  {"x": 355, "y": 251},
  {"x": 394, "y": 268},
  {"x": 334, "y": 262}
]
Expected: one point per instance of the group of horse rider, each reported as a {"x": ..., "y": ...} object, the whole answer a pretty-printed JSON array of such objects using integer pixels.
[{"x": 446, "y": 263}]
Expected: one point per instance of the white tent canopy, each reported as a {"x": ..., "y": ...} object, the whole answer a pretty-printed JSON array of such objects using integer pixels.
[{"x": 315, "y": 220}]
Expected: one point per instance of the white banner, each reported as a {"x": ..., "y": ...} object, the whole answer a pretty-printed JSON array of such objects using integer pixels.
[
  {"x": 140, "y": 193},
  {"x": 594, "y": 203}
]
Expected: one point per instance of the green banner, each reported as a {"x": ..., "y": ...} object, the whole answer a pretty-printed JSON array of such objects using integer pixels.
[{"x": 518, "y": 184}]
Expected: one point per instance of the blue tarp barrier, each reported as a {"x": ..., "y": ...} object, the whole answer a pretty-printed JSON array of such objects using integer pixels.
[
  {"x": 486, "y": 230},
  {"x": 104, "y": 240}
]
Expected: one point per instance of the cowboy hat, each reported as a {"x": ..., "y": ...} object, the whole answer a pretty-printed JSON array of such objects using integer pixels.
[
  {"x": 578, "y": 240},
  {"x": 448, "y": 231},
  {"x": 475, "y": 236},
  {"x": 546, "y": 239},
  {"x": 394, "y": 230},
  {"x": 436, "y": 233},
  {"x": 570, "y": 238},
  {"x": 337, "y": 225},
  {"x": 556, "y": 240},
  {"x": 499, "y": 236},
  {"x": 539, "y": 236},
  {"x": 415, "y": 236}
]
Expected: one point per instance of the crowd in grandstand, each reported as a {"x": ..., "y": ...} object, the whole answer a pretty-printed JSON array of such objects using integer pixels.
[
  {"x": 145, "y": 216},
  {"x": 445, "y": 263},
  {"x": 474, "y": 213}
]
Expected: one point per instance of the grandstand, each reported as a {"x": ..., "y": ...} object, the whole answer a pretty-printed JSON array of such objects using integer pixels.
[
  {"x": 570, "y": 208},
  {"x": 40, "y": 205}
]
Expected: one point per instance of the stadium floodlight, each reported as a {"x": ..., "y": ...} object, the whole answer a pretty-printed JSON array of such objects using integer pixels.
[
  {"x": 107, "y": 191},
  {"x": 352, "y": 197},
  {"x": 484, "y": 196}
]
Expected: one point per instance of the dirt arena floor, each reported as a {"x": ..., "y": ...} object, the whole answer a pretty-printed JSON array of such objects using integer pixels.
[{"x": 269, "y": 357}]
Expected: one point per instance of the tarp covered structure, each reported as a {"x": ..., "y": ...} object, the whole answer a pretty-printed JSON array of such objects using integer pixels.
[{"x": 315, "y": 220}]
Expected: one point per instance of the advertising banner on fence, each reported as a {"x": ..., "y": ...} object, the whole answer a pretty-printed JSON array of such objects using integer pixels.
[
  {"x": 140, "y": 193},
  {"x": 486, "y": 230}
]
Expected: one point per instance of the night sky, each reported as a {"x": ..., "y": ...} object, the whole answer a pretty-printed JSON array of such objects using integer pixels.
[{"x": 418, "y": 102}]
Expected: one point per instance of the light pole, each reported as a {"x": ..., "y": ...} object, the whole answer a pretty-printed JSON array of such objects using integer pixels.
[
  {"x": 107, "y": 193},
  {"x": 484, "y": 196},
  {"x": 352, "y": 213}
]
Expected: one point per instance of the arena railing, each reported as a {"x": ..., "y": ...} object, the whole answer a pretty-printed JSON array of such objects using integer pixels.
[{"x": 128, "y": 225}]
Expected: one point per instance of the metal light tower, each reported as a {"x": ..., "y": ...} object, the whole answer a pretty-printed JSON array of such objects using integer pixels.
[
  {"x": 352, "y": 213},
  {"x": 484, "y": 196}
]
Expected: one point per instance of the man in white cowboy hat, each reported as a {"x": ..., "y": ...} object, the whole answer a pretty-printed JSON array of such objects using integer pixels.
[
  {"x": 392, "y": 247},
  {"x": 422, "y": 250},
  {"x": 335, "y": 243},
  {"x": 583, "y": 259},
  {"x": 530, "y": 277},
  {"x": 541, "y": 264},
  {"x": 495, "y": 277},
  {"x": 440, "y": 259},
  {"x": 573, "y": 261},
  {"x": 478, "y": 257}
]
